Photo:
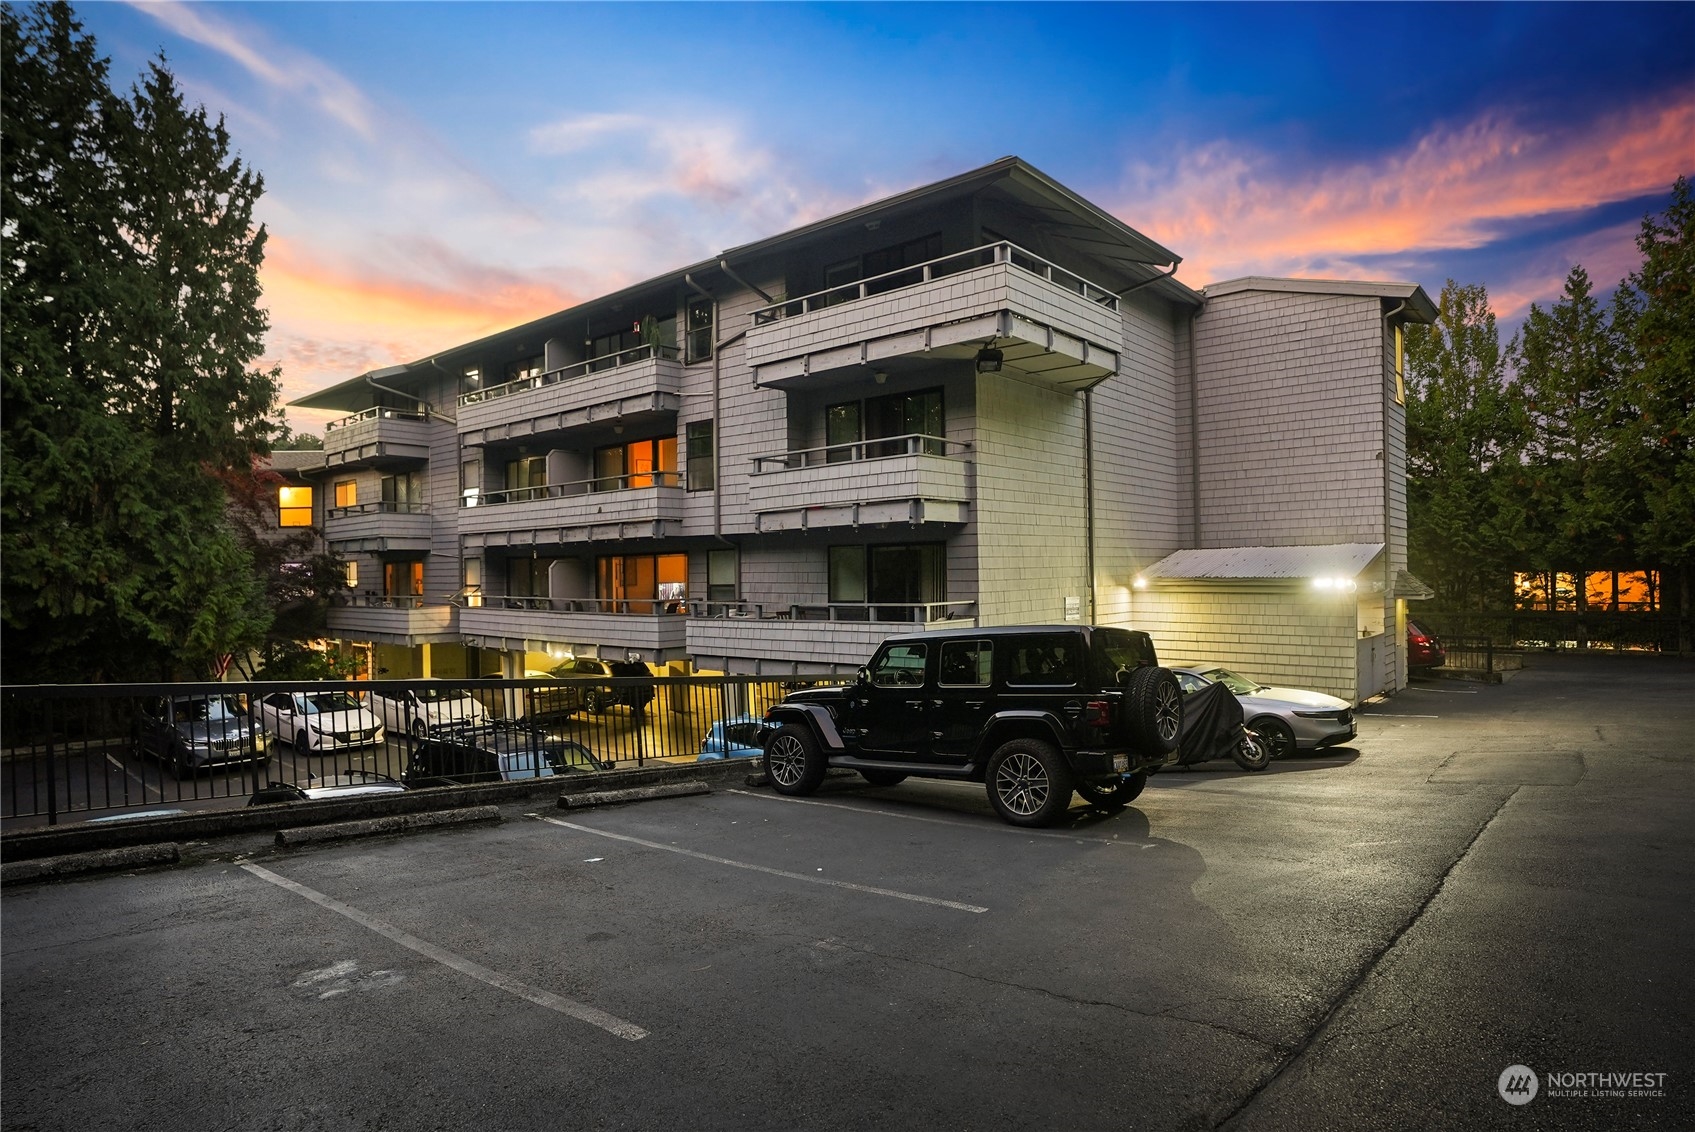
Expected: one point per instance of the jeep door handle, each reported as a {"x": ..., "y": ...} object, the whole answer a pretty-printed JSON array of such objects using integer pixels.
[{"x": 915, "y": 703}]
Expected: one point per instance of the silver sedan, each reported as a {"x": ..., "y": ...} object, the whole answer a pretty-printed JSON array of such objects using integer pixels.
[{"x": 1289, "y": 719}]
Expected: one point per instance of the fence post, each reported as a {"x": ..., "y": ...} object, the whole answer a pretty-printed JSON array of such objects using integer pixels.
[
  {"x": 52, "y": 772},
  {"x": 1489, "y": 656}
]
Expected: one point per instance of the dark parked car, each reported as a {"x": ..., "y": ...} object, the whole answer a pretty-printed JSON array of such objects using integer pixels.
[
  {"x": 1423, "y": 650},
  {"x": 345, "y": 784},
  {"x": 597, "y": 698},
  {"x": 194, "y": 733},
  {"x": 497, "y": 751},
  {"x": 1032, "y": 712}
]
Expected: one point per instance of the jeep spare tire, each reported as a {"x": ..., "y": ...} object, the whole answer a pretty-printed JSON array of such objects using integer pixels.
[{"x": 1154, "y": 705}]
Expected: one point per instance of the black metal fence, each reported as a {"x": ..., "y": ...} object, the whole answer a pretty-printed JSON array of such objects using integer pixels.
[
  {"x": 1563, "y": 629},
  {"x": 105, "y": 752}
]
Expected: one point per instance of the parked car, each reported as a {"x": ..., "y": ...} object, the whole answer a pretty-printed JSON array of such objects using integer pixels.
[
  {"x": 1032, "y": 712},
  {"x": 738, "y": 738},
  {"x": 346, "y": 784},
  {"x": 319, "y": 721},
  {"x": 1288, "y": 719},
  {"x": 1423, "y": 650},
  {"x": 496, "y": 751},
  {"x": 193, "y": 733},
  {"x": 597, "y": 698},
  {"x": 416, "y": 709}
]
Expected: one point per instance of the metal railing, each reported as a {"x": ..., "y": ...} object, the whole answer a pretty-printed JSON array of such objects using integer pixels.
[
  {"x": 379, "y": 413},
  {"x": 570, "y": 373},
  {"x": 630, "y": 481},
  {"x": 381, "y": 507},
  {"x": 77, "y": 752},
  {"x": 387, "y": 601},
  {"x": 881, "y": 448},
  {"x": 621, "y": 606},
  {"x": 927, "y": 612},
  {"x": 1002, "y": 251}
]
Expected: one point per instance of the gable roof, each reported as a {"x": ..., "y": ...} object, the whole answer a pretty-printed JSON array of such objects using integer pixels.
[{"x": 1244, "y": 563}]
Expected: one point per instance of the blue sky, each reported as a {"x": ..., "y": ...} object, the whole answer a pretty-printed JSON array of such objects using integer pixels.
[{"x": 437, "y": 171}]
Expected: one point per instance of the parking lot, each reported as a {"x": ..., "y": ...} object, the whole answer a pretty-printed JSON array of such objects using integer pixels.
[{"x": 1492, "y": 875}]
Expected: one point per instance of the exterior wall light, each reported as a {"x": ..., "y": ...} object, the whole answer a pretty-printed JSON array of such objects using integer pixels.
[
  {"x": 1139, "y": 582},
  {"x": 1335, "y": 585},
  {"x": 988, "y": 360}
]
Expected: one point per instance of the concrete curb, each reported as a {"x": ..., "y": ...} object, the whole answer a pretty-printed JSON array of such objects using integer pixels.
[
  {"x": 103, "y": 860},
  {"x": 399, "y": 823},
  {"x": 635, "y": 794}
]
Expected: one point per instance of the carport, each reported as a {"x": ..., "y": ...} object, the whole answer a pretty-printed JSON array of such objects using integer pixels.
[{"x": 1324, "y": 617}]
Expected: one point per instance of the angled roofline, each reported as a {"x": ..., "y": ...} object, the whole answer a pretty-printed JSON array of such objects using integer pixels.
[{"x": 1419, "y": 306}]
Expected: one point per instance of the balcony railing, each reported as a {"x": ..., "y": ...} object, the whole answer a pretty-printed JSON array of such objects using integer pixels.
[
  {"x": 1000, "y": 252},
  {"x": 382, "y": 507},
  {"x": 632, "y": 481},
  {"x": 912, "y": 444},
  {"x": 620, "y": 606},
  {"x": 570, "y": 372},
  {"x": 380, "y": 413},
  {"x": 927, "y": 612},
  {"x": 385, "y": 601}
]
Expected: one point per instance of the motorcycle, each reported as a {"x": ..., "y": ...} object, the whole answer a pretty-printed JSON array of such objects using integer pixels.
[{"x": 1214, "y": 727}]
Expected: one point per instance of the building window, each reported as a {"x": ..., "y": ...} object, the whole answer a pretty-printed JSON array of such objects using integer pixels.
[
  {"x": 894, "y": 582},
  {"x": 471, "y": 379},
  {"x": 722, "y": 567},
  {"x": 643, "y": 583},
  {"x": 352, "y": 571},
  {"x": 404, "y": 579},
  {"x": 894, "y": 415},
  {"x": 526, "y": 478},
  {"x": 604, "y": 350},
  {"x": 1400, "y": 364},
  {"x": 347, "y": 493},
  {"x": 699, "y": 317},
  {"x": 525, "y": 368},
  {"x": 702, "y": 472},
  {"x": 839, "y": 276},
  {"x": 294, "y": 506},
  {"x": 471, "y": 581},
  {"x": 640, "y": 463},
  {"x": 470, "y": 483},
  {"x": 403, "y": 492},
  {"x": 527, "y": 577}
]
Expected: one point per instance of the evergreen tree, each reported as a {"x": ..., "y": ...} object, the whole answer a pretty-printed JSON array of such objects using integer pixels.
[
  {"x": 131, "y": 291},
  {"x": 1465, "y": 431}
]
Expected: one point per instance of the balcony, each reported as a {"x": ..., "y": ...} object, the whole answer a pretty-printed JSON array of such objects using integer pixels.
[
  {"x": 394, "y": 620},
  {"x": 596, "y": 626},
  {"x": 1047, "y": 322},
  {"x": 374, "y": 528},
  {"x": 800, "y": 640},
  {"x": 383, "y": 438},
  {"x": 645, "y": 382},
  {"x": 637, "y": 505},
  {"x": 910, "y": 480}
]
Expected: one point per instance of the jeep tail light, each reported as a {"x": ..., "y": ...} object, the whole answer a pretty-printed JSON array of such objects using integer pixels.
[{"x": 1098, "y": 713}]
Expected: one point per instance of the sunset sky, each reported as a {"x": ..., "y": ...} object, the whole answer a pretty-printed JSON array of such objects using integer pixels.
[{"x": 438, "y": 171}]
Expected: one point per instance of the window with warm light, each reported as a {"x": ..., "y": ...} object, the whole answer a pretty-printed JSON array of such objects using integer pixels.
[
  {"x": 294, "y": 506},
  {"x": 347, "y": 493}
]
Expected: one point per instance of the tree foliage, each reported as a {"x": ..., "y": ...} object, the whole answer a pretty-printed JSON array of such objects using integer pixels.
[{"x": 132, "y": 328}]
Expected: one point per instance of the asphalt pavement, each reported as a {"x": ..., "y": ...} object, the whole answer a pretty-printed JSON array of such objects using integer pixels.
[{"x": 1490, "y": 877}]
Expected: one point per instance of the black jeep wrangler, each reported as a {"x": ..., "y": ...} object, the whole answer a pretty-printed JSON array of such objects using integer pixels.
[{"x": 1033, "y": 712}]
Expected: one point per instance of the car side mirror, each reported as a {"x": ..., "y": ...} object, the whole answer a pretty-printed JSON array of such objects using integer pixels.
[{"x": 863, "y": 677}]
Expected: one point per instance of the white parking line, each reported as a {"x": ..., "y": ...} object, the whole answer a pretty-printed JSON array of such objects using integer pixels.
[
  {"x": 998, "y": 828},
  {"x": 583, "y": 1013},
  {"x": 1394, "y": 715},
  {"x": 1442, "y": 691},
  {"x": 136, "y": 778},
  {"x": 954, "y": 904}
]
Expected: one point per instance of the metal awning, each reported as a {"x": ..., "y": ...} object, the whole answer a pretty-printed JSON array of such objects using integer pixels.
[
  {"x": 1411, "y": 588},
  {"x": 1256, "y": 563}
]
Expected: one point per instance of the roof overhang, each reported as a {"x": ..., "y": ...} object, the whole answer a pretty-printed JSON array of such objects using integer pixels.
[
  {"x": 1345, "y": 561},
  {"x": 1419, "y": 308}
]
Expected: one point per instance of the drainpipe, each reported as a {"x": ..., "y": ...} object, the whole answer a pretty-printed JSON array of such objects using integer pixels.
[
  {"x": 724, "y": 266},
  {"x": 1194, "y": 443},
  {"x": 1089, "y": 495},
  {"x": 396, "y": 371},
  {"x": 1394, "y": 631},
  {"x": 1150, "y": 282}
]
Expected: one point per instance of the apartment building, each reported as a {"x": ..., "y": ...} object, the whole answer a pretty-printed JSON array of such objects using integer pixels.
[{"x": 983, "y": 401}]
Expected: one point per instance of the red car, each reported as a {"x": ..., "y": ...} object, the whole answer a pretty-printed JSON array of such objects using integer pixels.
[{"x": 1423, "y": 650}]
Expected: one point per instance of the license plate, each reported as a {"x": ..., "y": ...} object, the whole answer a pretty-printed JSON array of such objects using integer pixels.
[{"x": 1121, "y": 763}]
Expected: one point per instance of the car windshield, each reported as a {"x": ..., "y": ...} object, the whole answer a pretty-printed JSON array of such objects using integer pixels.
[
  {"x": 331, "y": 701},
  {"x": 433, "y": 695},
  {"x": 215, "y": 708},
  {"x": 1237, "y": 683}
]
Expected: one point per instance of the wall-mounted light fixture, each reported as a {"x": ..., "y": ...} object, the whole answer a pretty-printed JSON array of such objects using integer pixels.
[
  {"x": 879, "y": 376},
  {"x": 988, "y": 360},
  {"x": 1139, "y": 582},
  {"x": 1335, "y": 585}
]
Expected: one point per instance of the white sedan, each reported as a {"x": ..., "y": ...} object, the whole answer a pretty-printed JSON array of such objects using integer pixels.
[
  {"x": 1288, "y": 719},
  {"x": 319, "y": 721},
  {"x": 418, "y": 709}
]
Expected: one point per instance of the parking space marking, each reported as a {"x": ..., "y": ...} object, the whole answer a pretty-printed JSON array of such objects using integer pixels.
[
  {"x": 580, "y": 1011},
  {"x": 898, "y": 895},
  {"x": 136, "y": 778},
  {"x": 998, "y": 828},
  {"x": 1395, "y": 715},
  {"x": 1442, "y": 691}
]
